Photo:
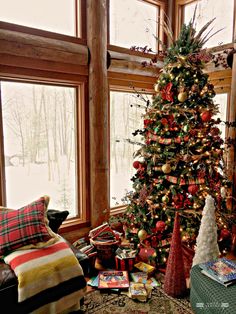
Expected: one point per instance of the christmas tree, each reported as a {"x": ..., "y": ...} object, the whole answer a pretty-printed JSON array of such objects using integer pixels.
[
  {"x": 207, "y": 247},
  {"x": 181, "y": 159}
]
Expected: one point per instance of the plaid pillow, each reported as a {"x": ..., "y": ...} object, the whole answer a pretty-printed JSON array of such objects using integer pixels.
[{"x": 26, "y": 227}]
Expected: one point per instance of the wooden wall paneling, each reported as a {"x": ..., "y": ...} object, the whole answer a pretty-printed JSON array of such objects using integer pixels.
[
  {"x": 132, "y": 64},
  {"x": 98, "y": 111},
  {"x": 37, "y": 52},
  {"x": 231, "y": 158}
]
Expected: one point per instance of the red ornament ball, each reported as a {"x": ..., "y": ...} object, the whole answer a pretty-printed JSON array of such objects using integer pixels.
[
  {"x": 136, "y": 164},
  {"x": 193, "y": 189},
  {"x": 225, "y": 234},
  {"x": 206, "y": 116},
  {"x": 160, "y": 226}
]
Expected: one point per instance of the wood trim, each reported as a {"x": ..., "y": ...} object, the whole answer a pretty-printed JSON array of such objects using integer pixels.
[
  {"x": 27, "y": 51},
  {"x": 119, "y": 81},
  {"x": 179, "y": 14},
  {"x": 231, "y": 160},
  {"x": 8, "y": 72},
  {"x": 83, "y": 24},
  {"x": 98, "y": 111},
  {"x": 39, "y": 32},
  {"x": 2, "y": 160},
  {"x": 82, "y": 187}
]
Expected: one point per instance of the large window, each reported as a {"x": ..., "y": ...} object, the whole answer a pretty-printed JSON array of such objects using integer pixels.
[
  {"x": 39, "y": 128},
  {"x": 223, "y": 11},
  {"x": 222, "y": 101},
  {"x": 133, "y": 23},
  {"x": 126, "y": 110},
  {"x": 53, "y": 15}
]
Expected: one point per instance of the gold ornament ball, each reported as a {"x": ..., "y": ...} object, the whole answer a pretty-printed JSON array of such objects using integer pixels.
[
  {"x": 182, "y": 96},
  {"x": 165, "y": 199},
  {"x": 166, "y": 168},
  {"x": 156, "y": 88},
  {"x": 142, "y": 234}
]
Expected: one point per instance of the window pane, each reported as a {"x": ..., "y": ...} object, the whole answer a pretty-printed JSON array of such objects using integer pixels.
[
  {"x": 206, "y": 10},
  {"x": 39, "y": 144},
  {"x": 221, "y": 100},
  {"x": 126, "y": 111},
  {"x": 53, "y": 15},
  {"x": 133, "y": 23}
]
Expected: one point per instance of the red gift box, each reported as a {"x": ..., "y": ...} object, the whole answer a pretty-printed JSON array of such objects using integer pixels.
[{"x": 125, "y": 263}]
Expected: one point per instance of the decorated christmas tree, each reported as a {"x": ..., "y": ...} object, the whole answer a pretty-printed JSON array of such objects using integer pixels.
[{"x": 180, "y": 160}]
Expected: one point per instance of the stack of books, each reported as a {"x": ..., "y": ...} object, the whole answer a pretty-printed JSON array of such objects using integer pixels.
[
  {"x": 139, "y": 291},
  {"x": 85, "y": 247},
  {"x": 142, "y": 277},
  {"x": 222, "y": 270}
]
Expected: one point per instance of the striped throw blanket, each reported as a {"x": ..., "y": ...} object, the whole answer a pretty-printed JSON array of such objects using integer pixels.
[{"x": 40, "y": 272}]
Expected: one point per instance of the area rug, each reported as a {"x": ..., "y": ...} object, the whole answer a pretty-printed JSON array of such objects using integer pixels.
[{"x": 117, "y": 303}]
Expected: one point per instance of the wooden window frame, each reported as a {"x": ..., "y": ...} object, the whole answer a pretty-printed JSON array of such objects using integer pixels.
[
  {"x": 45, "y": 57},
  {"x": 179, "y": 17},
  {"x": 81, "y": 150},
  {"x": 161, "y": 4},
  {"x": 49, "y": 34}
]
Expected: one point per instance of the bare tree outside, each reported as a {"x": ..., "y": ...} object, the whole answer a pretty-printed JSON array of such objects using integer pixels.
[{"x": 39, "y": 143}]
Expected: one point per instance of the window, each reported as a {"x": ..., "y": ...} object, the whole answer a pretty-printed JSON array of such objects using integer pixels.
[
  {"x": 126, "y": 110},
  {"x": 222, "y": 101},
  {"x": 39, "y": 127},
  {"x": 223, "y": 11},
  {"x": 52, "y": 15},
  {"x": 133, "y": 23}
]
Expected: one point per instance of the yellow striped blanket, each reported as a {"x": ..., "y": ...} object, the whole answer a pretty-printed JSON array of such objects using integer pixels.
[{"x": 42, "y": 274}]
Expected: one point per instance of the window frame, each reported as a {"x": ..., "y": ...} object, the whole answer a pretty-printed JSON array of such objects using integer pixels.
[
  {"x": 81, "y": 149},
  {"x": 32, "y": 68},
  {"x": 49, "y": 34},
  {"x": 160, "y": 4},
  {"x": 179, "y": 17}
]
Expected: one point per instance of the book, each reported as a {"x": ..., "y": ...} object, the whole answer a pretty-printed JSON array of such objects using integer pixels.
[
  {"x": 109, "y": 279},
  {"x": 142, "y": 277},
  {"x": 93, "y": 281},
  {"x": 96, "y": 231},
  {"x": 145, "y": 267},
  {"x": 122, "y": 252},
  {"x": 222, "y": 270},
  {"x": 210, "y": 276},
  {"x": 138, "y": 291}
]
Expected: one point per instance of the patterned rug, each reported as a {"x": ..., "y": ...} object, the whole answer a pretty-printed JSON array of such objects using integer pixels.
[{"x": 97, "y": 302}]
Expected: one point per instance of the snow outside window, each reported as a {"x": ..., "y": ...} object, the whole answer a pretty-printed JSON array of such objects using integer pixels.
[{"x": 39, "y": 144}]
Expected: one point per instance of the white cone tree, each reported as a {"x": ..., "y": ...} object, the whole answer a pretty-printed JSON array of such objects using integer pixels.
[{"x": 206, "y": 244}]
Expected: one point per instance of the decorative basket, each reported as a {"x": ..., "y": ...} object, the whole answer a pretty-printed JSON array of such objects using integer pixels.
[{"x": 105, "y": 250}]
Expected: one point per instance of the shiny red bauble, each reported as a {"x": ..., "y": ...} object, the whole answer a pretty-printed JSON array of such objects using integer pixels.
[
  {"x": 206, "y": 116},
  {"x": 136, "y": 164},
  {"x": 193, "y": 189},
  {"x": 160, "y": 226}
]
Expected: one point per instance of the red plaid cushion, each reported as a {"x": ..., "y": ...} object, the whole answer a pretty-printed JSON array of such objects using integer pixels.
[{"x": 25, "y": 226}]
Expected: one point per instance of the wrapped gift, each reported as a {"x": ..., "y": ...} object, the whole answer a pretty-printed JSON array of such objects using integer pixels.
[{"x": 125, "y": 263}]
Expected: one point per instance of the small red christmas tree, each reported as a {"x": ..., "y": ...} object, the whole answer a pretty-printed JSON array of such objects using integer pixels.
[{"x": 175, "y": 283}]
